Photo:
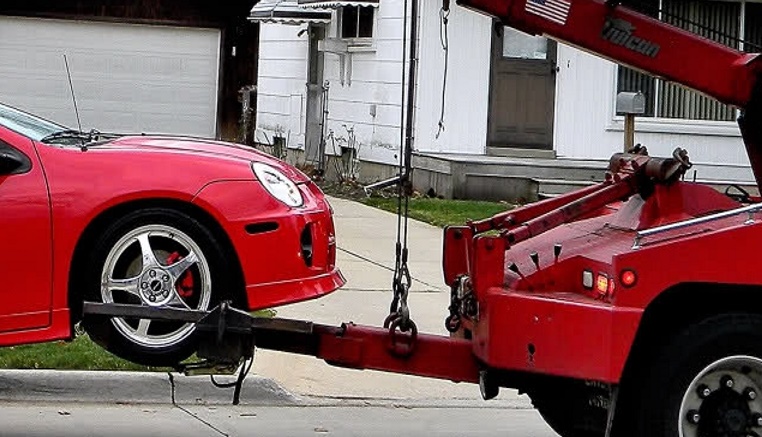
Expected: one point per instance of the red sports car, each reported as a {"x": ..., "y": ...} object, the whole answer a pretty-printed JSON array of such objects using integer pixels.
[{"x": 151, "y": 220}]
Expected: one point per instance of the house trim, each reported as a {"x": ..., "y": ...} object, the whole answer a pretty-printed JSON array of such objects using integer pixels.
[
  {"x": 677, "y": 126},
  {"x": 659, "y": 125}
]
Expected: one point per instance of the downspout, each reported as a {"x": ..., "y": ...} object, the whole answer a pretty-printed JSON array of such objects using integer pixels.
[{"x": 411, "y": 87}]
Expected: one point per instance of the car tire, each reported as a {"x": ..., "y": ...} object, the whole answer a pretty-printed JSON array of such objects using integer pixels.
[
  {"x": 682, "y": 388},
  {"x": 190, "y": 269}
]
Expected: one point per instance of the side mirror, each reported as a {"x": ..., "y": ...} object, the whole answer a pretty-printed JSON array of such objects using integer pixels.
[{"x": 10, "y": 162}]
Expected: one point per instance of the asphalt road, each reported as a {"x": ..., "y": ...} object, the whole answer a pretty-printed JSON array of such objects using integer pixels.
[
  {"x": 19, "y": 419},
  {"x": 47, "y": 403}
]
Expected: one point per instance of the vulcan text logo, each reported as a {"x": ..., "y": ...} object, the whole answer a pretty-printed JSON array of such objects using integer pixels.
[{"x": 620, "y": 32}]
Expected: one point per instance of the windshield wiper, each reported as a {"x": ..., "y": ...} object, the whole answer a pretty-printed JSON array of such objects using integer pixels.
[
  {"x": 86, "y": 137},
  {"x": 65, "y": 134}
]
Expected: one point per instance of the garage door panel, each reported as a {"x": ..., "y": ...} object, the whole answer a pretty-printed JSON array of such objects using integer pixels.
[
  {"x": 127, "y": 78},
  {"x": 65, "y": 34}
]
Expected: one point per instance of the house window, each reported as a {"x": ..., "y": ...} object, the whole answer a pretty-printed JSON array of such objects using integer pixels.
[
  {"x": 736, "y": 24},
  {"x": 357, "y": 21}
]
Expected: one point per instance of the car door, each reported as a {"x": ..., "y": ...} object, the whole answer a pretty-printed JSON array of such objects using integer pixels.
[{"x": 25, "y": 236}]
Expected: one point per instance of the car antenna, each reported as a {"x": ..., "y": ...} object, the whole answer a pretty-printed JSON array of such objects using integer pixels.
[{"x": 73, "y": 96}]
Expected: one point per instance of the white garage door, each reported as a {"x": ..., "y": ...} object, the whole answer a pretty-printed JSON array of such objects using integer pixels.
[{"x": 127, "y": 78}]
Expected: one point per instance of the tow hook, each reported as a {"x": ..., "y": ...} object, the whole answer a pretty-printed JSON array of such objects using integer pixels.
[{"x": 462, "y": 303}]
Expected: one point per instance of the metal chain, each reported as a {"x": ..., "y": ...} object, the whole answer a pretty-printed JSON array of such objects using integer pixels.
[
  {"x": 399, "y": 312},
  {"x": 402, "y": 280},
  {"x": 401, "y": 286}
]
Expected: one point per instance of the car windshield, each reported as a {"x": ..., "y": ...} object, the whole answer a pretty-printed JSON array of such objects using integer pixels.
[{"x": 26, "y": 124}]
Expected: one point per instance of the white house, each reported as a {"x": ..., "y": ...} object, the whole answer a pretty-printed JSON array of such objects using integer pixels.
[{"x": 507, "y": 95}]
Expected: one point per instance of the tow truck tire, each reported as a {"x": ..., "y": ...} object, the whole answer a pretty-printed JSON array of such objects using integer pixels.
[
  {"x": 565, "y": 405},
  {"x": 700, "y": 383},
  {"x": 118, "y": 255}
]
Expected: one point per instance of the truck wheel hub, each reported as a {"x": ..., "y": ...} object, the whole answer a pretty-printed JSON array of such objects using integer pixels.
[
  {"x": 725, "y": 412},
  {"x": 722, "y": 400}
]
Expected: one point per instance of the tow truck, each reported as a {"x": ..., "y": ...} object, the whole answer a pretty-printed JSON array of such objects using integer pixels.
[{"x": 631, "y": 307}]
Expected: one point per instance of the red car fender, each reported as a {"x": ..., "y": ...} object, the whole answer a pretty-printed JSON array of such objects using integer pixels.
[{"x": 269, "y": 239}]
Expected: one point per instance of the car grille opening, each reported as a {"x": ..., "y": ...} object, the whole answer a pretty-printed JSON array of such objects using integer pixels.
[
  {"x": 261, "y": 228},
  {"x": 306, "y": 245}
]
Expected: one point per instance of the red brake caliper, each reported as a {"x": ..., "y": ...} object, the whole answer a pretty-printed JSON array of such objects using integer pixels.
[{"x": 185, "y": 284}]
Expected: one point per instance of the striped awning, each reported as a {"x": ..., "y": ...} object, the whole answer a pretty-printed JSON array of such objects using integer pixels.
[
  {"x": 287, "y": 12},
  {"x": 336, "y": 3}
]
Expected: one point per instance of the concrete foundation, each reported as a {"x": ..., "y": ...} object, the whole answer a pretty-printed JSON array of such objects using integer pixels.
[{"x": 515, "y": 179}]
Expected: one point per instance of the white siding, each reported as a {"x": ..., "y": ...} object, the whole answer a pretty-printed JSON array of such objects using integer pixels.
[
  {"x": 585, "y": 126},
  {"x": 467, "y": 91},
  {"x": 281, "y": 86},
  {"x": 374, "y": 83}
]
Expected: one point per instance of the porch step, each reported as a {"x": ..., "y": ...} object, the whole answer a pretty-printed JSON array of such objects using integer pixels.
[
  {"x": 528, "y": 179},
  {"x": 554, "y": 187},
  {"x": 510, "y": 179}
]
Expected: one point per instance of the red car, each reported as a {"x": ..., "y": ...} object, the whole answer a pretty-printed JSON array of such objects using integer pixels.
[{"x": 151, "y": 220}]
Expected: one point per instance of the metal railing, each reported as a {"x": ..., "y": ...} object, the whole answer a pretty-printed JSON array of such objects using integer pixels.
[{"x": 697, "y": 221}]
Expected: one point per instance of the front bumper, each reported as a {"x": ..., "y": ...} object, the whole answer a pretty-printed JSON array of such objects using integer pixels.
[
  {"x": 292, "y": 291},
  {"x": 286, "y": 254}
]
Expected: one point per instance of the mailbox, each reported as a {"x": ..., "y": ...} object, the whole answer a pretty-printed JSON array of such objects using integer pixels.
[{"x": 631, "y": 103}]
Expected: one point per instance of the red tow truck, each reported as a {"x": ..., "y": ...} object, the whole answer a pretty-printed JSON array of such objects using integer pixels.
[{"x": 629, "y": 308}]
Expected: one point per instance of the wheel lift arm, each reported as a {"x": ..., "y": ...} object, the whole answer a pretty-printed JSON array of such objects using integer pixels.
[{"x": 227, "y": 335}]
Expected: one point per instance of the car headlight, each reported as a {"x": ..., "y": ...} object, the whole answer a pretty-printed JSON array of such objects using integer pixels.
[{"x": 278, "y": 185}]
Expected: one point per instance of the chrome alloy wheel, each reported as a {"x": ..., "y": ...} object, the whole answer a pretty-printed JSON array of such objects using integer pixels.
[
  {"x": 725, "y": 399},
  {"x": 157, "y": 266}
]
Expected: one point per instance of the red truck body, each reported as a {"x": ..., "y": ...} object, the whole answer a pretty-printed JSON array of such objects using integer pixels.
[
  {"x": 643, "y": 283},
  {"x": 542, "y": 318}
]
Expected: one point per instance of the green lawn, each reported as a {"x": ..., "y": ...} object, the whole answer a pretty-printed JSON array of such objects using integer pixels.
[
  {"x": 441, "y": 212},
  {"x": 80, "y": 354}
]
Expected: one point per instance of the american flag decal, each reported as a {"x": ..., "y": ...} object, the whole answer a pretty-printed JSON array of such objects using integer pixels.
[{"x": 556, "y": 11}]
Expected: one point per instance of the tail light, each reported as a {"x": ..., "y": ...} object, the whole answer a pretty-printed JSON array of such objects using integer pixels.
[
  {"x": 628, "y": 278},
  {"x": 602, "y": 284}
]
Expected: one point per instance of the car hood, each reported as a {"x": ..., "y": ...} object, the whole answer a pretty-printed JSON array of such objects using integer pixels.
[{"x": 202, "y": 147}]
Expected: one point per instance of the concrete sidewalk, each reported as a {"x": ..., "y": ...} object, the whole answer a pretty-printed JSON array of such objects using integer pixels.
[{"x": 366, "y": 239}]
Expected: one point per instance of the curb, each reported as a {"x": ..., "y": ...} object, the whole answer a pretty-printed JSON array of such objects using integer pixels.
[
  {"x": 108, "y": 387},
  {"x": 144, "y": 388}
]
